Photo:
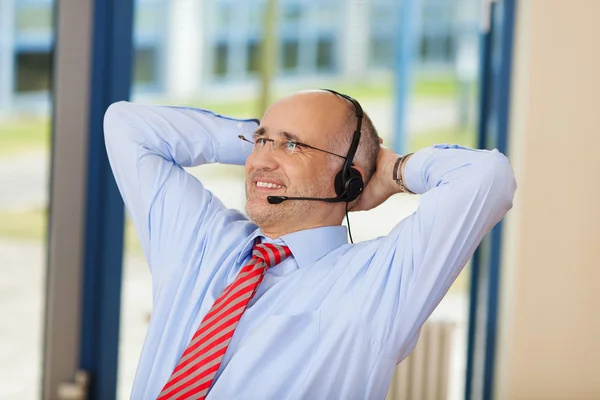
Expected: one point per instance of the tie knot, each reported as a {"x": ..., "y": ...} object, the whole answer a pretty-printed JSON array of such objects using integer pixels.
[{"x": 272, "y": 254}]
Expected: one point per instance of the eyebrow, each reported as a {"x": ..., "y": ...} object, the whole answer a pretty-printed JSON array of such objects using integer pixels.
[
  {"x": 287, "y": 135},
  {"x": 290, "y": 136},
  {"x": 259, "y": 132}
]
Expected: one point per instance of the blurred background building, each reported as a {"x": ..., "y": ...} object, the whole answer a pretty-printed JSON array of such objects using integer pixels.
[
  {"x": 191, "y": 49},
  {"x": 75, "y": 291}
]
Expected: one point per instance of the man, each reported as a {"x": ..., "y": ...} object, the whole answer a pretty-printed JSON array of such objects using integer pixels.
[{"x": 278, "y": 304}]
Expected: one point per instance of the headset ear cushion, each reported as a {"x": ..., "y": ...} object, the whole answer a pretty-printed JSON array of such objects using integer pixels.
[{"x": 354, "y": 185}]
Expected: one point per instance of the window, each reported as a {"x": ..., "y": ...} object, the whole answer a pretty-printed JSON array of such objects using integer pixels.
[
  {"x": 449, "y": 47},
  {"x": 221, "y": 55},
  {"x": 423, "y": 47},
  {"x": 325, "y": 56},
  {"x": 33, "y": 71},
  {"x": 253, "y": 56},
  {"x": 290, "y": 54},
  {"x": 146, "y": 61}
]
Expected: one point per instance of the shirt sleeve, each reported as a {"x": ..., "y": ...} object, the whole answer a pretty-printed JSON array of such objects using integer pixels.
[
  {"x": 464, "y": 193},
  {"x": 147, "y": 147}
]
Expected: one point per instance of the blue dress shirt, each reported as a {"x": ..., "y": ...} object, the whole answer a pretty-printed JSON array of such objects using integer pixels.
[{"x": 330, "y": 322}]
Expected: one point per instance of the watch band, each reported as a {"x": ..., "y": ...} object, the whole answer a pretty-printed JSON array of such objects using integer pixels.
[{"x": 397, "y": 175}]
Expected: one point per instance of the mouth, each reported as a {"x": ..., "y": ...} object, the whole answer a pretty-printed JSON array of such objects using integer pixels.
[{"x": 267, "y": 186}]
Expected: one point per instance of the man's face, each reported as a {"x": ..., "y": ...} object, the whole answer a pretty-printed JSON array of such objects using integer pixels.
[{"x": 307, "y": 117}]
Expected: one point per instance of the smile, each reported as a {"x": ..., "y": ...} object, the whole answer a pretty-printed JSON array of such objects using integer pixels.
[{"x": 268, "y": 185}]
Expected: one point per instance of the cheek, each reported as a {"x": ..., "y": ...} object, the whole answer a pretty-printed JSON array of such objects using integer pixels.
[
  {"x": 313, "y": 175},
  {"x": 297, "y": 175},
  {"x": 248, "y": 164}
]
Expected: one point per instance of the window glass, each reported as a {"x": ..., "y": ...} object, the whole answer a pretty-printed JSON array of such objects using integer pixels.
[
  {"x": 253, "y": 57},
  {"x": 33, "y": 71},
  {"x": 26, "y": 37},
  {"x": 325, "y": 54},
  {"x": 146, "y": 63},
  {"x": 220, "y": 59},
  {"x": 290, "y": 54}
]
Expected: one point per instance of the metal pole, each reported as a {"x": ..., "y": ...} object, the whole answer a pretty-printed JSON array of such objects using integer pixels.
[
  {"x": 405, "y": 49},
  {"x": 269, "y": 45}
]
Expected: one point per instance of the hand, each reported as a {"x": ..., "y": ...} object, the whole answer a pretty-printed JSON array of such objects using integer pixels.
[{"x": 382, "y": 185}]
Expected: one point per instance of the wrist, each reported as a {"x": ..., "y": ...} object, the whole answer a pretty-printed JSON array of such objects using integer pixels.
[
  {"x": 390, "y": 182},
  {"x": 398, "y": 173}
]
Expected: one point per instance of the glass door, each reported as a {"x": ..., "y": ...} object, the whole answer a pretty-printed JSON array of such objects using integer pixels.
[{"x": 26, "y": 46}]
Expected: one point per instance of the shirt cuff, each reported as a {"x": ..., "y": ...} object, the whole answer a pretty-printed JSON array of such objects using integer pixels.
[
  {"x": 413, "y": 176},
  {"x": 228, "y": 146},
  {"x": 222, "y": 132}
]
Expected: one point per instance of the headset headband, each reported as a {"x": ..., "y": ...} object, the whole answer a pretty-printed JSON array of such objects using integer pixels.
[{"x": 356, "y": 137}]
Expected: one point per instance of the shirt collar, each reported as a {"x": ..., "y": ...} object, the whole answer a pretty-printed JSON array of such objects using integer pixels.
[{"x": 307, "y": 246}]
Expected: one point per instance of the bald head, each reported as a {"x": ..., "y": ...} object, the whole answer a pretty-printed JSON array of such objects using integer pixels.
[
  {"x": 329, "y": 121},
  {"x": 315, "y": 115}
]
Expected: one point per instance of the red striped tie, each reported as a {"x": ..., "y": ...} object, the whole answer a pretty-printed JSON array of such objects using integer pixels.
[{"x": 200, "y": 361}]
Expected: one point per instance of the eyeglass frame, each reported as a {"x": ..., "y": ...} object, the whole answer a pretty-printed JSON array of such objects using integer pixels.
[{"x": 297, "y": 143}]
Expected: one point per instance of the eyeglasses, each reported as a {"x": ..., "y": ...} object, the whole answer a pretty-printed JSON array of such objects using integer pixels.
[{"x": 289, "y": 147}]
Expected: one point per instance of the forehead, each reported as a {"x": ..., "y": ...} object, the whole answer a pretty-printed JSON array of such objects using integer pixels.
[{"x": 311, "y": 117}]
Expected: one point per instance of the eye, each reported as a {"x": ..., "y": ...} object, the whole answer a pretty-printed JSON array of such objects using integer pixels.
[
  {"x": 259, "y": 142},
  {"x": 290, "y": 146}
]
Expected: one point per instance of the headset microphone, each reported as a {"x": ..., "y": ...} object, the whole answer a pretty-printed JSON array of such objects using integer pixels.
[
  {"x": 276, "y": 199},
  {"x": 281, "y": 199}
]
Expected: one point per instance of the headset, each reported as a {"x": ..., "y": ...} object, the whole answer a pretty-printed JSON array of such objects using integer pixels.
[{"x": 348, "y": 181}]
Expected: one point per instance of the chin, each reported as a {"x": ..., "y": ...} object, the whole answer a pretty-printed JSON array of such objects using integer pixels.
[
  {"x": 262, "y": 213},
  {"x": 256, "y": 208}
]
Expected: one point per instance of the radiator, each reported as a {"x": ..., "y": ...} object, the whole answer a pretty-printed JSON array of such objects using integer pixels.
[{"x": 424, "y": 374}]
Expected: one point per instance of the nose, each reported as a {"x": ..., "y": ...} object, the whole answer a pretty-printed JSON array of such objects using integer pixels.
[{"x": 264, "y": 159}]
